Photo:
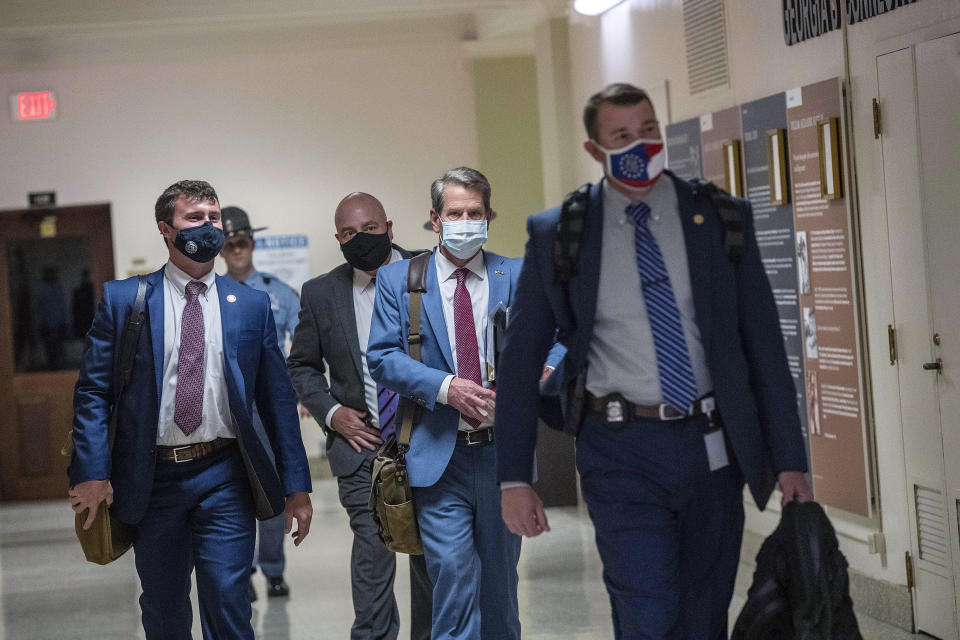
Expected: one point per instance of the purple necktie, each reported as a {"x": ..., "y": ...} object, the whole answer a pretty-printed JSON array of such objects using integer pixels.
[
  {"x": 387, "y": 402},
  {"x": 468, "y": 354},
  {"x": 188, "y": 405}
]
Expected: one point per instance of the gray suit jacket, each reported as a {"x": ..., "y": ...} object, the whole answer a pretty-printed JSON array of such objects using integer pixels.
[{"x": 327, "y": 336}]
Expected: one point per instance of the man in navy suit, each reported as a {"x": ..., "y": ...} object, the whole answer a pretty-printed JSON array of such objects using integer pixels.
[
  {"x": 687, "y": 390},
  {"x": 471, "y": 556},
  {"x": 187, "y": 468}
]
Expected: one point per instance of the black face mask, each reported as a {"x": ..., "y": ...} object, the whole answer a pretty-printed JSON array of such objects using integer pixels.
[
  {"x": 200, "y": 244},
  {"x": 367, "y": 251}
]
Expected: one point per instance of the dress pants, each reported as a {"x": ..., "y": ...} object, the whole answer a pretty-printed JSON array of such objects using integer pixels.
[
  {"x": 667, "y": 528},
  {"x": 373, "y": 568},
  {"x": 471, "y": 555},
  {"x": 201, "y": 514}
]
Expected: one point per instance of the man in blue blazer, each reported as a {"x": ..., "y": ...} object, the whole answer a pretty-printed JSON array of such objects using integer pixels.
[
  {"x": 471, "y": 556},
  {"x": 187, "y": 467},
  {"x": 687, "y": 391}
]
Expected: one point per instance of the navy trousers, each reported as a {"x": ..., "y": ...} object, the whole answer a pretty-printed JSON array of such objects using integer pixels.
[
  {"x": 471, "y": 555},
  {"x": 201, "y": 515},
  {"x": 667, "y": 528}
]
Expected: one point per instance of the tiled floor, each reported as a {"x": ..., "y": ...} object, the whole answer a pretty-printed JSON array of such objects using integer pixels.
[{"x": 47, "y": 590}]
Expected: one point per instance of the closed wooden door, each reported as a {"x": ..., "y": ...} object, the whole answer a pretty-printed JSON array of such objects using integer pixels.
[{"x": 53, "y": 263}]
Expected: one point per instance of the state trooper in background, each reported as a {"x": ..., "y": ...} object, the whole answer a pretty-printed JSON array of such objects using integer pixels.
[{"x": 285, "y": 303}]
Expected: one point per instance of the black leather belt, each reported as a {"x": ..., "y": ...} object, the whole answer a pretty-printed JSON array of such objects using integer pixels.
[
  {"x": 190, "y": 452},
  {"x": 475, "y": 437},
  {"x": 616, "y": 409}
]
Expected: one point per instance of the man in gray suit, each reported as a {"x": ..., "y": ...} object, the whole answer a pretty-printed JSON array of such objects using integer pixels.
[{"x": 335, "y": 313}]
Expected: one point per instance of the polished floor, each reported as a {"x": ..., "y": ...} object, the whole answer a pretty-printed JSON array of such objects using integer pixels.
[{"x": 47, "y": 590}]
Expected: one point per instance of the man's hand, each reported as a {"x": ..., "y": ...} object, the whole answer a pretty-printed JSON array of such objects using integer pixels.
[
  {"x": 471, "y": 400},
  {"x": 89, "y": 495},
  {"x": 547, "y": 370},
  {"x": 793, "y": 485},
  {"x": 349, "y": 423},
  {"x": 299, "y": 507},
  {"x": 523, "y": 511}
]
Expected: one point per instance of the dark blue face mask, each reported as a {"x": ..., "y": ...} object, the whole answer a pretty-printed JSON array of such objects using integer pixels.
[{"x": 200, "y": 244}]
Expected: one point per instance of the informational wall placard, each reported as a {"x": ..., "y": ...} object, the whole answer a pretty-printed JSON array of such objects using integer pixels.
[
  {"x": 683, "y": 148},
  {"x": 717, "y": 129},
  {"x": 285, "y": 256},
  {"x": 830, "y": 334},
  {"x": 764, "y": 120}
]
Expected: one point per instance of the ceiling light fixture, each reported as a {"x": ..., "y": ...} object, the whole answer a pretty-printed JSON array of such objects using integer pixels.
[{"x": 594, "y": 7}]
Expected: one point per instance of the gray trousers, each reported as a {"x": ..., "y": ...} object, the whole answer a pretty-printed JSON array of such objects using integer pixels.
[{"x": 373, "y": 569}]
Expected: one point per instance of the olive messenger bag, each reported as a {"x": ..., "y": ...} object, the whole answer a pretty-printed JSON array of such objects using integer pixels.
[
  {"x": 107, "y": 538},
  {"x": 391, "y": 498}
]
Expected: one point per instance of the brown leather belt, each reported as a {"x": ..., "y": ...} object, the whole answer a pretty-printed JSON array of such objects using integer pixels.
[
  {"x": 475, "y": 437},
  {"x": 190, "y": 452},
  {"x": 616, "y": 409}
]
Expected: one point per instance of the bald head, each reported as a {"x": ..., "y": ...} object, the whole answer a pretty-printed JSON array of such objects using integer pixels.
[{"x": 360, "y": 212}]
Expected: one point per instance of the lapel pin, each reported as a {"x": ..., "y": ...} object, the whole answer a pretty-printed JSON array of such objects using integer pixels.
[
  {"x": 231, "y": 298},
  {"x": 698, "y": 219},
  {"x": 498, "y": 272}
]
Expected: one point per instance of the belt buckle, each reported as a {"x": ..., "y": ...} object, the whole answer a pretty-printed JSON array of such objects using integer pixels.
[
  {"x": 177, "y": 450},
  {"x": 471, "y": 442},
  {"x": 667, "y": 418},
  {"x": 615, "y": 409}
]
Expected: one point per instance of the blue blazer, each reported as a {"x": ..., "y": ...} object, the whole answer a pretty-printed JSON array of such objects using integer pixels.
[
  {"x": 254, "y": 370},
  {"x": 738, "y": 324},
  {"x": 434, "y": 435}
]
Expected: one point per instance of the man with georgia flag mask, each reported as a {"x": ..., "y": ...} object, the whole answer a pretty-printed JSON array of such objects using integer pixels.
[{"x": 685, "y": 386}]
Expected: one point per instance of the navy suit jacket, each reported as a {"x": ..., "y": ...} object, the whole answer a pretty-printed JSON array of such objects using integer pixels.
[
  {"x": 738, "y": 323},
  {"x": 434, "y": 436},
  {"x": 254, "y": 371}
]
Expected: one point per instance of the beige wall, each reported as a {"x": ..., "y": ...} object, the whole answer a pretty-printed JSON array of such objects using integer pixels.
[
  {"x": 642, "y": 41},
  {"x": 508, "y": 135},
  {"x": 282, "y": 125}
]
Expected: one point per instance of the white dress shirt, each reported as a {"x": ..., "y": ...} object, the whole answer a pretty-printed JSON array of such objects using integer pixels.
[
  {"x": 364, "y": 293},
  {"x": 479, "y": 290},
  {"x": 217, "y": 421}
]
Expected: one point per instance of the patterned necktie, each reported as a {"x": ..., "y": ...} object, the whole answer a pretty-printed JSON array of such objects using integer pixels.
[
  {"x": 188, "y": 404},
  {"x": 468, "y": 354},
  {"x": 387, "y": 403},
  {"x": 677, "y": 384}
]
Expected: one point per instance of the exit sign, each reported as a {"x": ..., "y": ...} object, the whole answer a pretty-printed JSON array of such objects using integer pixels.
[{"x": 33, "y": 105}]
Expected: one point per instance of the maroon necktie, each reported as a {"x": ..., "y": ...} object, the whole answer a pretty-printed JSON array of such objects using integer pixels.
[
  {"x": 468, "y": 355},
  {"x": 188, "y": 404}
]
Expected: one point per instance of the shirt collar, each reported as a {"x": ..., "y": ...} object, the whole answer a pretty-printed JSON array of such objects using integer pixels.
[
  {"x": 179, "y": 278},
  {"x": 616, "y": 203},
  {"x": 362, "y": 279},
  {"x": 446, "y": 269}
]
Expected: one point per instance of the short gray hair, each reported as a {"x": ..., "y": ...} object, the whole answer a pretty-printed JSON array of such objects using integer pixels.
[{"x": 468, "y": 178}]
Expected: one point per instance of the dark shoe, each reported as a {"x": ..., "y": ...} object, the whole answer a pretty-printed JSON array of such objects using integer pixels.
[
  {"x": 252, "y": 592},
  {"x": 276, "y": 587}
]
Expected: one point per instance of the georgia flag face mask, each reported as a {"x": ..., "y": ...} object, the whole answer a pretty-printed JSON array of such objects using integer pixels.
[{"x": 637, "y": 165}]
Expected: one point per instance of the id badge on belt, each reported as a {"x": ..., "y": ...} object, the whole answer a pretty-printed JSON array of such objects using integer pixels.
[{"x": 713, "y": 438}]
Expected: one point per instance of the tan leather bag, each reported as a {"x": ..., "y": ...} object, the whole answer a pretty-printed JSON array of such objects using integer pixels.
[{"x": 391, "y": 498}]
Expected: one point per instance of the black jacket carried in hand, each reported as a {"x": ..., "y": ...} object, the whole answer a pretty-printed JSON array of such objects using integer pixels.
[{"x": 800, "y": 589}]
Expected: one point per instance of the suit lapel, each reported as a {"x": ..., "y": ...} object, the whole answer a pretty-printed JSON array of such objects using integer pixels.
[
  {"x": 499, "y": 281},
  {"x": 433, "y": 312},
  {"x": 155, "y": 313},
  {"x": 229, "y": 335},
  {"x": 698, "y": 238},
  {"x": 346, "y": 315}
]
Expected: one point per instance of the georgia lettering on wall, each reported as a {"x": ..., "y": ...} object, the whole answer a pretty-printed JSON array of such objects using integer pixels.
[{"x": 804, "y": 19}]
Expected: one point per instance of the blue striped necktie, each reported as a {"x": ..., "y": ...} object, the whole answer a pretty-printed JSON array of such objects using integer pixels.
[
  {"x": 387, "y": 402},
  {"x": 677, "y": 385}
]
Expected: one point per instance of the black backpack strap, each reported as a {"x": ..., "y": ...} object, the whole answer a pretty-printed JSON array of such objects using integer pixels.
[
  {"x": 566, "y": 249},
  {"x": 129, "y": 339},
  {"x": 734, "y": 234}
]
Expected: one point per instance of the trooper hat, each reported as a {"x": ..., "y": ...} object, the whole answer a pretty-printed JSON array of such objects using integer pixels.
[{"x": 236, "y": 222}]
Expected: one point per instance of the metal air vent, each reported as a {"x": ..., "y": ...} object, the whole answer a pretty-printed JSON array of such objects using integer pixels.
[
  {"x": 705, "y": 33},
  {"x": 931, "y": 526}
]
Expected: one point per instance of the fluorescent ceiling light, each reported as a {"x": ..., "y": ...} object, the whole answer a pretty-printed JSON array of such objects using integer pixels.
[{"x": 594, "y": 7}]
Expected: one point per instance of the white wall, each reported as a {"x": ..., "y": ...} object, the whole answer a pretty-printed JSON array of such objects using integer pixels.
[
  {"x": 642, "y": 41},
  {"x": 282, "y": 123}
]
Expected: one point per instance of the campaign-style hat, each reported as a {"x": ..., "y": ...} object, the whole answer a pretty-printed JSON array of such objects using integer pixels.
[{"x": 236, "y": 222}]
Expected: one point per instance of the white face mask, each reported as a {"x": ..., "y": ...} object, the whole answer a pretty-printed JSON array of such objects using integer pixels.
[{"x": 463, "y": 238}]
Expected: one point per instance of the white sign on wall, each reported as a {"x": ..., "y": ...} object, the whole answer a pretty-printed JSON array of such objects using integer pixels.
[{"x": 285, "y": 256}]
